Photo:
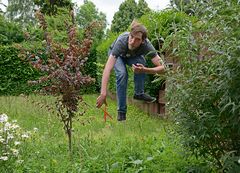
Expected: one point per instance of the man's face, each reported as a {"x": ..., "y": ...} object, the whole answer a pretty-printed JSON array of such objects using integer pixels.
[{"x": 134, "y": 41}]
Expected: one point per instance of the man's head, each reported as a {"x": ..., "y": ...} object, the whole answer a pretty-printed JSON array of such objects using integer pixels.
[{"x": 137, "y": 36}]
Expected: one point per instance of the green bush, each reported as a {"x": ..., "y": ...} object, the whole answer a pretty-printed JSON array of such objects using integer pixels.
[
  {"x": 90, "y": 68},
  {"x": 14, "y": 72},
  {"x": 35, "y": 34},
  {"x": 160, "y": 26},
  {"x": 10, "y": 32},
  {"x": 102, "y": 56},
  {"x": 204, "y": 90}
]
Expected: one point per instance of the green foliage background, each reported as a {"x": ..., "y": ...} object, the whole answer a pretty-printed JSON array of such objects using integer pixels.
[
  {"x": 10, "y": 32},
  {"x": 128, "y": 11},
  {"x": 161, "y": 25},
  {"x": 21, "y": 12},
  {"x": 102, "y": 55},
  {"x": 14, "y": 73}
]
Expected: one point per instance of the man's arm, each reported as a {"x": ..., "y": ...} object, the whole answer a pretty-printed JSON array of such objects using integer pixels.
[
  {"x": 105, "y": 77},
  {"x": 159, "y": 68}
]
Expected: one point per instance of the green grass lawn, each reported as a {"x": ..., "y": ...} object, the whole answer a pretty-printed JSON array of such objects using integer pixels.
[{"x": 141, "y": 144}]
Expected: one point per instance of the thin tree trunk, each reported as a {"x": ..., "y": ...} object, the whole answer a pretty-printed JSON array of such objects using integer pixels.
[{"x": 69, "y": 132}]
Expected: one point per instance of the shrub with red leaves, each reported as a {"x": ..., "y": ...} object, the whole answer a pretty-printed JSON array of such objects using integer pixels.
[{"x": 64, "y": 71}]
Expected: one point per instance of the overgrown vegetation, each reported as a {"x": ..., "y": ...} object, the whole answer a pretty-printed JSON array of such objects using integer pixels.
[
  {"x": 203, "y": 90},
  {"x": 10, "y": 32}
]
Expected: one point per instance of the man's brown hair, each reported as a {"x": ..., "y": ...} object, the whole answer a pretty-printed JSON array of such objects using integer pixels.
[{"x": 138, "y": 27}]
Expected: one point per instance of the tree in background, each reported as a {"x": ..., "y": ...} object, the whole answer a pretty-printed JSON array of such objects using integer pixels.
[
  {"x": 4, "y": 5},
  {"x": 85, "y": 15},
  {"x": 128, "y": 11},
  {"x": 124, "y": 16},
  {"x": 21, "y": 12},
  {"x": 88, "y": 13},
  {"x": 10, "y": 32},
  {"x": 49, "y": 7},
  {"x": 142, "y": 8}
]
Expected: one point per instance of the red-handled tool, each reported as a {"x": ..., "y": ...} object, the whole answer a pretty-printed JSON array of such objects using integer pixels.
[{"x": 106, "y": 114}]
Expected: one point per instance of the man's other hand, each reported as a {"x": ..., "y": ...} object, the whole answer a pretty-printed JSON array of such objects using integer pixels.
[{"x": 138, "y": 68}]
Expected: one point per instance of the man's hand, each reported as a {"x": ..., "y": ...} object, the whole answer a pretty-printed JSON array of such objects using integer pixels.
[
  {"x": 101, "y": 100},
  {"x": 138, "y": 68}
]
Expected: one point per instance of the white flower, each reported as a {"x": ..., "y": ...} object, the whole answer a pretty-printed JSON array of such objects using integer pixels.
[
  {"x": 10, "y": 136},
  {"x": 15, "y": 152},
  {"x": 15, "y": 126},
  {"x": 5, "y": 154},
  {"x": 3, "y": 118},
  {"x": 239, "y": 160},
  {"x": 17, "y": 143},
  {"x": 35, "y": 129},
  {"x": 20, "y": 161},
  {"x": 1, "y": 139},
  {"x": 25, "y": 135},
  {"x": 7, "y": 126},
  {"x": 4, "y": 158}
]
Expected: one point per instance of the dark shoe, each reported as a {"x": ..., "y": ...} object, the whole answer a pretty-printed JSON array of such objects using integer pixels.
[
  {"x": 145, "y": 97},
  {"x": 121, "y": 116}
]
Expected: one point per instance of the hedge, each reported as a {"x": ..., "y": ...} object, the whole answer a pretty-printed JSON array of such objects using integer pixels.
[{"x": 15, "y": 73}]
